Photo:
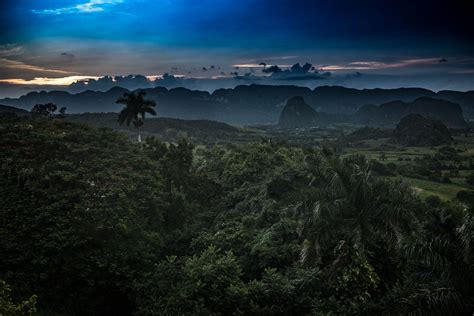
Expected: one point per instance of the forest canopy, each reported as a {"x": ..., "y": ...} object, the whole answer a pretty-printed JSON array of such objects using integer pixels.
[{"x": 94, "y": 224}]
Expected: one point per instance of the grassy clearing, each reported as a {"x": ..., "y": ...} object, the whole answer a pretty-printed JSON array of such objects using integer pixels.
[
  {"x": 445, "y": 191},
  {"x": 373, "y": 149}
]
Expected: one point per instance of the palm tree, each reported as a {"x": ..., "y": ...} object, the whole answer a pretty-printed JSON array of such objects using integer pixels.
[
  {"x": 135, "y": 108},
  {"x": 441, "y": 265},
  {"x": 353, "y": 206}
]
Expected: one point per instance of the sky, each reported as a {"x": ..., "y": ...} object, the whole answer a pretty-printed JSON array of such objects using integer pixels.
[{"x": 207, "y": 44}]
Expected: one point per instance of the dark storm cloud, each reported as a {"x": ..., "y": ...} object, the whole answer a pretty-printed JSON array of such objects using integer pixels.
[
  {"x": 272, "y": 69},
  {"x": 296, "y": 72}
]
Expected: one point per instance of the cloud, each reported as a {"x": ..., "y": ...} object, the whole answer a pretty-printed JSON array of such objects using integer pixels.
[
  {"x": 376, "y": 65},
  {"x": 130, "y": 82},
  {"x": 44, "y": 81},
  {"x": 281, "y": 57},
  {"x": 13, "y": 66},
  {"x": 272, "y": 70},
  {"x": 169, "y": 81},
  {"x": 107, "y": 82},
  {"x": 19, "y": 65},
  {"x": 87, "y": 7},
  {"x": 68, "y": 55},
  {"x": 255, "y": 65},
  {"x": 248, "y": 77},
  {"x": 298, "y": 69},
  {"x": 295, "y": 72},
  {"x": 8, "y": 50}
]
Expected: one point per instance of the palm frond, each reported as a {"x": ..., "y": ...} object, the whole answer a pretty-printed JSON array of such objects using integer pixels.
[{"x": 135, "y": 106}]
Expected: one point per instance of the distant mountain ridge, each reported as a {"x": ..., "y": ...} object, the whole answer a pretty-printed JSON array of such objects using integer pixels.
[
  {"x": 389, "y": 113},
  {"x": 245, "y": 104},
  {"x": 298, "y": 114}
]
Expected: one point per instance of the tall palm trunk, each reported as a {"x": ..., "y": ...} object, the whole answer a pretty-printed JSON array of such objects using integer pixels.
[
  {"x": 135, "y": 108},
  {"x": 139, "y": 134}
]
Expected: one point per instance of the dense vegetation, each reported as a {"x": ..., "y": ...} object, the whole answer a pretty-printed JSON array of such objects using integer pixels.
[
  {"x": 94, "y": 224},
  {"x": 415, "y": 130}
]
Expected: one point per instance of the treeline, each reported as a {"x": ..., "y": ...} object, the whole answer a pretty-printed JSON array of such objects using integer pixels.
[
  {"x": 93, "y": 224},
  {"x": 170, "y": 129}
]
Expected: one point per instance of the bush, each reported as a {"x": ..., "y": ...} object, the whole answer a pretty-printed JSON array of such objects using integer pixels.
[
  {"x": 465, "y": 196},
  {"x": 433, "y": 200},
  {"x": 8, "y": 308},
  {"x": 380, "y": 168},
  {"x": 470, "y": 179},
  {"x": 445, "y": 180}
]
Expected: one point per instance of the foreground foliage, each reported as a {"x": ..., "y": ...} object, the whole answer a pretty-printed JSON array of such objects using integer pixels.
[
  {"x": 94, "y": 224},
  {"x": 7, "y": 307}
]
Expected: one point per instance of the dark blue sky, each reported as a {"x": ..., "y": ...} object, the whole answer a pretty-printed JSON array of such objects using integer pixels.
[
  {"x": 264, "y": 23},
  {"x": 81, "y": 38}
]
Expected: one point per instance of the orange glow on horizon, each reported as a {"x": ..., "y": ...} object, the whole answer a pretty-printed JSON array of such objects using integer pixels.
[{"x": 64, "y": 81}]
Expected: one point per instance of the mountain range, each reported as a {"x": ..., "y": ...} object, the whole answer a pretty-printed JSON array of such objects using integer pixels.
[
  {"x": 389, "y": 113},
  {"x": 245, "y": 104},
  {"x": 298, "y": 114}
]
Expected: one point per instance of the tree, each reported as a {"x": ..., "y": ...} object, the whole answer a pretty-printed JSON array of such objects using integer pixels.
[
  {"x": 44, "y": 110},
  {"x": 440, "y": 270},
  {"x": 135, "y": 108},
  {"x": 7, "y": 307},
  {"x": 353, "y": 205},
  {"x": 88, "y": 217},
  {"x": 62, "y": 111},
  {"x": 470, "y": 179}
]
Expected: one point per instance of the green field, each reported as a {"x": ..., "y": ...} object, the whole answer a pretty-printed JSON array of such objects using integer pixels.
[
  {"x": 399, "y": 155},
  {"x": 445, "y": 191}
]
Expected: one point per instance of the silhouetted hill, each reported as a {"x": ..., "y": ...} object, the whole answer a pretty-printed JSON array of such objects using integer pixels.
[
  {"x": 416, "y": 130},
  {"x": 12, "y": 109},
  {"x": 297, "y": 113},
  {"x": 250, "y": 104},
  {"x": 389, "y": 113},
  {"x": 464, "y": 99},
  {"x": 346, "y": 100},
  {"x": 169, "y": 129}
]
